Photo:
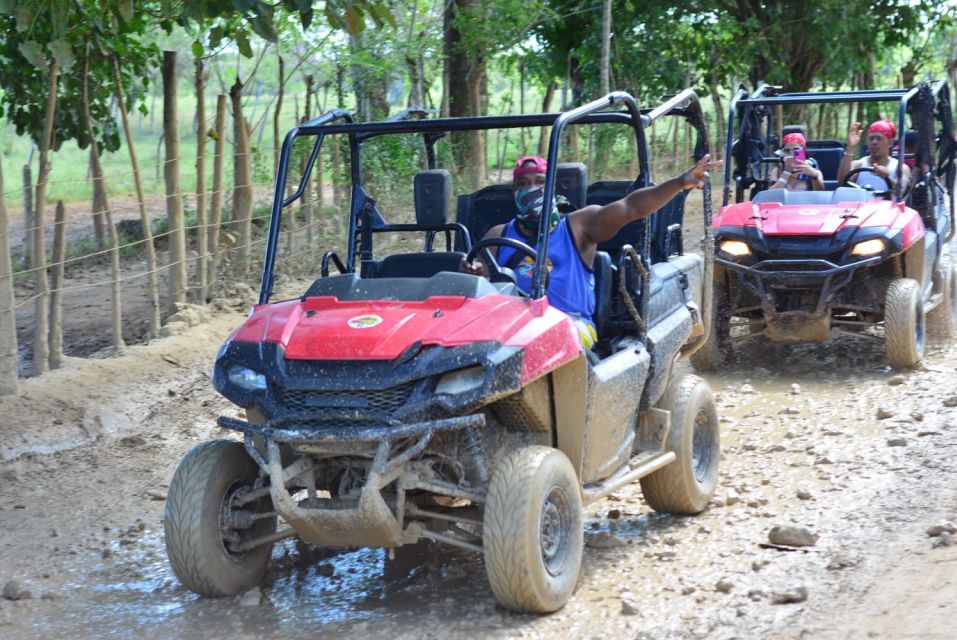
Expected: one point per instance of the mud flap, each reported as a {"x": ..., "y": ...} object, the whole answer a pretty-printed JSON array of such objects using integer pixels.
[{"x": 654, "y": 426}]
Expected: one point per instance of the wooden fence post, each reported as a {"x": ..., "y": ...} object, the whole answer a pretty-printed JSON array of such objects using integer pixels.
[
  {"x": 56, "y": 287},
  {"x": 8, "y": 316}
]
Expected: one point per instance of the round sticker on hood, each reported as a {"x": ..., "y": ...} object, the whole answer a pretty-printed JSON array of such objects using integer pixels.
[
  {"x": 364, "y": 322},
  {"x": 808, "y": 212}
]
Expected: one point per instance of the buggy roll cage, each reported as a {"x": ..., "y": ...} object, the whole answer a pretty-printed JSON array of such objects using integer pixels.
[
  {"x": 412, "y": 121},
  {"x": 924, "y": 99}
]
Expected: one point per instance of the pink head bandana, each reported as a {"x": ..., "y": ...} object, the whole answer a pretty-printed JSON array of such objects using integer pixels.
[
  {"x": 796, "y": 138},
  {"x": 884, "y": 127}
]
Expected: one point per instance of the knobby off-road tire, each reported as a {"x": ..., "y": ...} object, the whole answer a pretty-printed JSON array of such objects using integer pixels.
[
  {"x": 207, "y": 476},
  {"x": 717, "y": 349},
  {"x": 942, "y": 319},
  {"x": 904, "y": 323},
  {"x": 686, "y": 485},
  {"x": 533, "y": 531}
]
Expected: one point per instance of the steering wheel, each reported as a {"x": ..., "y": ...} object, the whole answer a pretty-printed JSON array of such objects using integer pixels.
[
  {"x": 498, "y": 273},
  {"x": 847, "y": 182}
]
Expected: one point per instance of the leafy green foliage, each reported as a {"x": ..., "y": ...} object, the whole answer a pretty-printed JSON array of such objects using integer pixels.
[{"x": 41, "y": 29}]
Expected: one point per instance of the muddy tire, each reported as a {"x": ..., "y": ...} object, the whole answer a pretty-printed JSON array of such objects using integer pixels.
[
  {"x": 942, "y": 319},
  {"x": 904, "y": 323},
  {"x": 199, "y": 497},
  {"x": 717, "y": 349},
  {"x": 686, "y": 485},
  {"x": 533, "y": 530}
]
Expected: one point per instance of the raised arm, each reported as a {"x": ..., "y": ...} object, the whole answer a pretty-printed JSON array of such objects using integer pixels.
[
  {"x": 847, "y": 161},
  {"x": 597, "y": 224}
]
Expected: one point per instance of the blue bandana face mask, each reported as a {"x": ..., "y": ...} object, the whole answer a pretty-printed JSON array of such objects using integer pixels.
[{"x": 529, "y": 201}]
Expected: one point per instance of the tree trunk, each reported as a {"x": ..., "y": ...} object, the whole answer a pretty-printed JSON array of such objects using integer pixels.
[
  {"x": 174, "y": 197},
  {"x": 277, "y": 115},
  {"x": 151, "y": 269},
  {"x": 216, "y": 206},
  {"x": 546, "y": 105},
  {"x": 467, "y": 79},
  {"x": 307, "y": 191},
  {"x": 9, "y": 349},
  {"x": 41, "y": 345},
  {"x": 606, "y": 48},
  {"x": 100, "y": 187},
  {"x": 720, "y": 122},
  {"x": 28, "y": 215},
  {"x": 56, "y": 287},
  {"x": 99, "y": 233},
  {"x": 242, "y": 187},
  {"x": 201, "y": 229}
]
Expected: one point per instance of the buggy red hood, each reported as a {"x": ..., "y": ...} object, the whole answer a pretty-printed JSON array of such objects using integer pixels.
[
  {"x": 323, "y": 328},
  {"x": 775, "y": 219}
]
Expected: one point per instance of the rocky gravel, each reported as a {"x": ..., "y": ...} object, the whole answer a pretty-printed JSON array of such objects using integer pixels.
[{"x": 821, "y": 527}]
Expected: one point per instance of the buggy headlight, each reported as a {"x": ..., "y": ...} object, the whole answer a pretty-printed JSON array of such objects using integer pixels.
[
  {"x": 461, "y": 380},
  {"x": 735, "y": 248},
  {"x": 247, "y": 378},
  {"x": 868, "y": 247}
]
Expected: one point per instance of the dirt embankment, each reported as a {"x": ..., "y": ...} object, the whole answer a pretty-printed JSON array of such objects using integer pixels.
[{"x": 822, "y": 438}]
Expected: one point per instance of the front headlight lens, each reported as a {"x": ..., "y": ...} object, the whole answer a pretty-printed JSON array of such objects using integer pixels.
[
  {"x": 461, "y": 380},
  {"x": 735, "y": 248},
  {"x": 247, "y": 378},
  {"x": 868, "y": 247}
]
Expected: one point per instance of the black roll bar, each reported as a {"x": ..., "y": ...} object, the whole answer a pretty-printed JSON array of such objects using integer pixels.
[{"x": 278, "y": 202}]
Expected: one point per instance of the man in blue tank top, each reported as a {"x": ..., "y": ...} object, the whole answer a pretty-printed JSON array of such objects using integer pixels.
[{"x": 575, "y": 237}]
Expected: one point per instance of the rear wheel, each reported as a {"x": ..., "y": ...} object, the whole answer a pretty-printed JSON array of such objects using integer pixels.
[
  {"x": 686, "y": 485},
  {"x": 942, "y": 319},
  {"x": 532, "y": 530},
  {"x": 904, "y": 323},
  {"x": 204, "y": 520}
]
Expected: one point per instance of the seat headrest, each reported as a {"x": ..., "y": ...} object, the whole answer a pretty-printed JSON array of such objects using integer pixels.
[
  {"x": 432, "y": 190},
  {"x": 571, "y": 181}
]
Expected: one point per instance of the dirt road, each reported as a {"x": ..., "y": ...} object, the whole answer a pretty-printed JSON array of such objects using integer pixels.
[{"x": 823, "y": 438}]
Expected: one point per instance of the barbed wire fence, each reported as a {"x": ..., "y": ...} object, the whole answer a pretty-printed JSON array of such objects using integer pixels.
[{"x": 87, "y": 279}]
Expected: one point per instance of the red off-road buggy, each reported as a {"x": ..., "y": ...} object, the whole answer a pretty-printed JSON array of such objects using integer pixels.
[
  {"x": 803, "y": 266},
  {"x": 401, "y": 400}
]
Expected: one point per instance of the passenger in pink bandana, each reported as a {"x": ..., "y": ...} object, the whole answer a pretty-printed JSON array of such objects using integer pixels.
[{"x": 880, "y": 137}]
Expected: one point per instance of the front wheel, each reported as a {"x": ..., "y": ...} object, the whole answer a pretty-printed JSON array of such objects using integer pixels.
[
  {"x": 904, "y": 323},
  {"x": 685, "y": 486},
  {"x": 533, "y": 530},
  {"x": 206, "y": 520},
  {"x": 942, "y": 319}
]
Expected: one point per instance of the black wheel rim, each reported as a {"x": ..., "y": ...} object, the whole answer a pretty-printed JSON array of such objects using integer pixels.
[
  {"x": 555, "y": 530},
  {"x": 701, "y": 449},
  {"x": 229, "y": 535}
]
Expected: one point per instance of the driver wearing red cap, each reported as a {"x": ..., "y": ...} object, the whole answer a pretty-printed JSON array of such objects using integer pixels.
[
  {"x": 880, "y": 167},
  {"x": 574, "y": 238}
]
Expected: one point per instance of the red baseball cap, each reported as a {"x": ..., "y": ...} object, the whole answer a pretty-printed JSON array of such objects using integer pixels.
[
  {"x": 796, "y": 138},
  {"x": 884, "y": 127},
  {"x": 529, "y": 164}
]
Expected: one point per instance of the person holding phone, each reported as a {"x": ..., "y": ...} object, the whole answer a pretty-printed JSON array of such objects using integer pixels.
[{"x": 799, "y": 173}]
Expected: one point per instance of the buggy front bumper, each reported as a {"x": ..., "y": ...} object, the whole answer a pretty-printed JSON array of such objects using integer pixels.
[{"x": 372, "y": 520}]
